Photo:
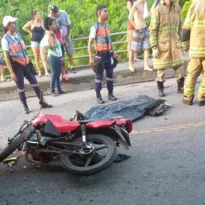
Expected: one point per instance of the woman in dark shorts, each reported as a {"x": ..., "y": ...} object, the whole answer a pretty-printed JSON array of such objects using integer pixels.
[{"x": 36, "y": 31}]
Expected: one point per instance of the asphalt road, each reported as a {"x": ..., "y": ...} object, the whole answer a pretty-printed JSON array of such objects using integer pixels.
[{"x": 167, "y": 164}]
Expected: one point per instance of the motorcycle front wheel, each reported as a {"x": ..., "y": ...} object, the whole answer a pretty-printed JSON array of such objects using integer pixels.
[
  {"x": 15, "y": 143},
  {"x": 99, "y": 159}
]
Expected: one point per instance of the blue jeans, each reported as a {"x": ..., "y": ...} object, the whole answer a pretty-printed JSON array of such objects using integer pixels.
[{"x": 55, "y": 66}]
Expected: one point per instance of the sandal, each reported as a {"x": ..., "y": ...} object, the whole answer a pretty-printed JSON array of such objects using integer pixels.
[
  {"x": 47, "y": 75},
  {"x": 5, "y": 80},
  {"x": 137, "y": 60},
  {"x": 65, "y": 77}
]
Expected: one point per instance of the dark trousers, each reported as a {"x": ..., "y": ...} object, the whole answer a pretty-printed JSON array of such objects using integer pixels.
[
  {"x": 55, "y": 66},
  {"x": 21, "y": 72},
  {"x": 104, "y": 65}
]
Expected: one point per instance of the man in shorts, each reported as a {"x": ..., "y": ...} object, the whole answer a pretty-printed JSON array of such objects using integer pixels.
[
  {"x": 65, "y": 25},
  {"x": 141, "y": 34}
]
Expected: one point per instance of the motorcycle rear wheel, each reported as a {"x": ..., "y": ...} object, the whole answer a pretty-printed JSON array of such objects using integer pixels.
[
  {"x": 99, "y": 163},
  {"x": 15, "y": 144}
]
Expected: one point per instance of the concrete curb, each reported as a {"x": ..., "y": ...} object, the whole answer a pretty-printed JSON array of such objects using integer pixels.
[{"x": 84, "y": 80}]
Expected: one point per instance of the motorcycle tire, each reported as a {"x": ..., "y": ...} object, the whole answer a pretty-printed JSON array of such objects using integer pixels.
[
  {"x": 94, "y": 169},
  {"x": 16, "y": 142}
]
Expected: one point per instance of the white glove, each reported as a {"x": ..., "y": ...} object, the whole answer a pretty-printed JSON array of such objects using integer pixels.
[{"x": 155, "y": 53}]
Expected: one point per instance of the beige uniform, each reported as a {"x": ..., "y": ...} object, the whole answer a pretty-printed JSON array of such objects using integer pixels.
[
  {"x": 165, "y": 30},
  {"x": 193, "y": 37}
]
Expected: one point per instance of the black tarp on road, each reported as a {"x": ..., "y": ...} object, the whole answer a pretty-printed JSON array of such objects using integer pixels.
[{"x": 132, "y": 109}]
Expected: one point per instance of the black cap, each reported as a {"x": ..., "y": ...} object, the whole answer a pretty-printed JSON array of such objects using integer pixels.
[{"x": 54, "y": 8}]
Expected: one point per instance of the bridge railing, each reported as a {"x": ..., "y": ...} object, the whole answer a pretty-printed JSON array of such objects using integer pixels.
[{"x": 86, "y": 47}]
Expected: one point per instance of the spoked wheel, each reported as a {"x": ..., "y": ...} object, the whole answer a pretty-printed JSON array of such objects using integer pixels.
[{"x": 99, "y": 155}]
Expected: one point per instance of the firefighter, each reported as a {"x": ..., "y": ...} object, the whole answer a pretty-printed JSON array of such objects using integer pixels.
[
  {"x": 100, "y": 33},
  {"x": 193, "y": 40},
  {"x": 165, "y": 28}
]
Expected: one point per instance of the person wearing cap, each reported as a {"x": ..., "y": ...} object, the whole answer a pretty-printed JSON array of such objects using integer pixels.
[
  {"x": 64, "y": 22},
  {"x": 18, "y": 62}
]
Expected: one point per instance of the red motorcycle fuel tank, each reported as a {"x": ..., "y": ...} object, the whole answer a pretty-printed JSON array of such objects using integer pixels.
[{"x": 59, "y": 122}]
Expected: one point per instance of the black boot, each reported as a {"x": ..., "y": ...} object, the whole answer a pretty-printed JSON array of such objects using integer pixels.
[
  {"x": 99, "y": 98},
  {"x": 26, "y": 109},
  {"x": 111, "y": 96},
  {"x": 46, "y": 105},
  {"x": 43, "y": 103},
  {"x": 160, "y": 86},
  {"x": 180, "y": 83},
  {"x": 201, "y": 103},
  {"x": 186, "y": 102}
]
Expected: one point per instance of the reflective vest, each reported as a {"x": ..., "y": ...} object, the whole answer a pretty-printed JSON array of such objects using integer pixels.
[
  {"x": 102, "y": 40},
  {"x": 17, "y": 49},
  {"x": 193, "y": 32}
]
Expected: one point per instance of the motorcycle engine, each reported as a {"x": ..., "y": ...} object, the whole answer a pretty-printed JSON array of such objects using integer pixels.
[{"x": 33, "y": 149}]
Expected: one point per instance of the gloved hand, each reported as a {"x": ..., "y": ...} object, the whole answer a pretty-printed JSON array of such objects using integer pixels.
[{"x": 155, "y": 52}]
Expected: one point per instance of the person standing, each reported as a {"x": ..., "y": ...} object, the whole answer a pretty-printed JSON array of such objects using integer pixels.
[
  {"x": 64, "y": 22},
  {"x": 17, "y": 61},
  {"x": 36, "y": 31},
  {"x": 140, "y": 38},
  {"x": 54, "y": 55},
  {"x": 132, "y": 56},
  {"x": 100, "y": 33},
  {"x": 59, "y": 36},
  {"x": 193, "y": 40},
  {"x": 165, "y": 30}
]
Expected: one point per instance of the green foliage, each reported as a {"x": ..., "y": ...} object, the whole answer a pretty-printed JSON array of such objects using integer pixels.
[
  {"x": 185, "y": 9},
  {"x": 82, "y": 15}
]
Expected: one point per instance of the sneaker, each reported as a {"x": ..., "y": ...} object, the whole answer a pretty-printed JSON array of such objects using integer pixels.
[
  {"x": 54, "y": 94},
  {"x": 61, "y": 92}
]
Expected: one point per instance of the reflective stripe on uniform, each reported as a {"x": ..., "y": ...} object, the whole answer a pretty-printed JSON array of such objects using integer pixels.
[
  {"x": 98, "y": 81},
  {"x": 21, "y": 90},
  {"x": 201, "y": 90},
  {"x": 189, "y": 91},
  {"x": 35, "y": 85},
  {"x": 109, "y": 79}
]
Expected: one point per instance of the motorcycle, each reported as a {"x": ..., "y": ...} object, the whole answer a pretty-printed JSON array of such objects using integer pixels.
[{"x": 83, "y": 147}]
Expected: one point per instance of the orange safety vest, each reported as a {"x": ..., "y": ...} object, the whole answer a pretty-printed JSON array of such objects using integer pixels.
[
  {"x": 17, "y": 49},
  {"x": 102, "y": 40}
]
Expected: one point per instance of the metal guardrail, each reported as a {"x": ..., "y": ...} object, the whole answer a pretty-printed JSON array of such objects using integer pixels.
[{"x": 86, "y": 47}]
